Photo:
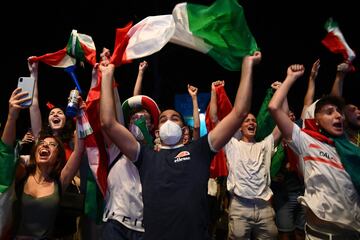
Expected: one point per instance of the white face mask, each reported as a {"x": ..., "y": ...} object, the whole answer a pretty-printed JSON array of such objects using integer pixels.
[
  {"x": 136, "y": 132},
  {"x": 170, "y": 133}
]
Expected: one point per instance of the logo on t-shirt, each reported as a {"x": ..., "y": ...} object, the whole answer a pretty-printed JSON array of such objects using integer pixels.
[{"x": 182, "y": 156}]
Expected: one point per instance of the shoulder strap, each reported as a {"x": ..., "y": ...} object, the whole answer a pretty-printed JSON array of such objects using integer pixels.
[
  {"x": 115, "y": 161},
  {"x": 58, "y": 182}
]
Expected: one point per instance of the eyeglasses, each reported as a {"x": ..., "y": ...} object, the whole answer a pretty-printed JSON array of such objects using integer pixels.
[{"x": 51, "y": 144}]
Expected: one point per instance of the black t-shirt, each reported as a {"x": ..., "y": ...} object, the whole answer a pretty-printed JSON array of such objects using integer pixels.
[{"x": 174, "y": 183}]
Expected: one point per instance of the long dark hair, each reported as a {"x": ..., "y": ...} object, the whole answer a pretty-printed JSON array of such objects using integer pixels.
[{"x": 60, "y": 157}]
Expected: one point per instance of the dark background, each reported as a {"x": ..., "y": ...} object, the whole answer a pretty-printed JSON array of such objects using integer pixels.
[{"x": 286, "y": 32}]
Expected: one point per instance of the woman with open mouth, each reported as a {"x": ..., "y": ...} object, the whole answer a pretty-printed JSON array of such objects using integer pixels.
[
  {"x": 38, "y": 192},
  {"x": 62, "y": 127}
]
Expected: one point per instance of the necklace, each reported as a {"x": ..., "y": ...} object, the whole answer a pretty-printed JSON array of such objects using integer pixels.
[{"x": 38, "y": 182}]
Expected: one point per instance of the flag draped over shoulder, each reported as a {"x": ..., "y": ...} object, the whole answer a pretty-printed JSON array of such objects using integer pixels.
[
  {"x": 219, "y": 30},
  {"x": 349, "y": 153},
  {"x": 335, "y": 41}
]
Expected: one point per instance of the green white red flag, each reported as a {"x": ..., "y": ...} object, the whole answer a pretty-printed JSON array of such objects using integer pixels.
[
  {"x": 81, "y": 47},
  {"x": 219, "y": 30},
  {"x": 335, "y": 41},
  {"x": 58, "y": 59}
]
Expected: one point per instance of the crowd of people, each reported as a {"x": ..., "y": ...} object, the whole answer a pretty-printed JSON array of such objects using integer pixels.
[{"x": 298, "y": 180}]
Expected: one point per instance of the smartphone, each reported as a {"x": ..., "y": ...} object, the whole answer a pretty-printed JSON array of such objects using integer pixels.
[{"x": 27, "y": 84}]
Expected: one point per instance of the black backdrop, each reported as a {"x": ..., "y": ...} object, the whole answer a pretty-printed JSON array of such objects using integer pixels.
[{"x": 287, "y": 32}]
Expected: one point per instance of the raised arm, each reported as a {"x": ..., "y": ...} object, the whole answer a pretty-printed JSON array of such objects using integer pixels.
[
  {"x": 213, "y": 111},
  {"x": 285, "y": 107},
  {"x": 281, "y": 117},
  {"x": 73, "y": 163},
  {"x": 9, "y": 134},
  {"x": 226, "y": 128},
  {"x": 138, "y": 84},
  {"x": 341, "y": 72},
  {"x": 105, "y": 57},
  {"x": 310, "y": 92},
  {"x": 193, "y": 94},
  {"x": 35, "y": 114},
  {"x": 120, "y": 135}
]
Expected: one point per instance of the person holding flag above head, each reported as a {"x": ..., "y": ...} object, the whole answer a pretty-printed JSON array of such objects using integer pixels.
[{"x": 174, "y": 179}]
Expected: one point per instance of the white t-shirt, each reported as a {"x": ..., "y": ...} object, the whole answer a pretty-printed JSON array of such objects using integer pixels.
[
  {"x": 329, "y": 192},
  {"x": 124, "y": 193},
  {"x": 249, "y": 168},
  {"x": 310, "y": 112}
]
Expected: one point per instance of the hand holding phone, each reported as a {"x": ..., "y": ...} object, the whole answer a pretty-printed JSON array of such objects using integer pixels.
[{"x": 27, "y": 84}]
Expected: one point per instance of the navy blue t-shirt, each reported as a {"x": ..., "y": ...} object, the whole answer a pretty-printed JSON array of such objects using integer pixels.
[{"x": 174, "y": 183}]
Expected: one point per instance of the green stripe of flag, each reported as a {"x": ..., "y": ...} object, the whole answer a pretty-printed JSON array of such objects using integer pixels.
[{"x": 223, "y": 26}]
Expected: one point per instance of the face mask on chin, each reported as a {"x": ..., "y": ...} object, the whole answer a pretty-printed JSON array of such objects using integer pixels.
[
  {"x": 136, "y": 132},
  {"x": 170, "y": 133}
]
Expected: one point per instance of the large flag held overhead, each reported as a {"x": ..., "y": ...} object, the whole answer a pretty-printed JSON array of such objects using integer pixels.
[
  {"x": 219, "y": 30},
  {"x": 79, "y": 46},
  {"x": 149, "y": 36},
  {"x": 146, "y": 37},
  {"x": 121, "y": 41},
  {"x": 335, "y": 41}
]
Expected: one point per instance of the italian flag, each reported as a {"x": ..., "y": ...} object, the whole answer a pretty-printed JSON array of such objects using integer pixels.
[
  {"x": 218, "y": 165},
  {"x": 219, "y": 30},
  {"x": 58, "y": 59},
  {"x": 146, "y": 37},
  {"x": 335, "y": 41},
  {"x": 81, "y": 47},
  {"x": 95, "y": 145}
]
